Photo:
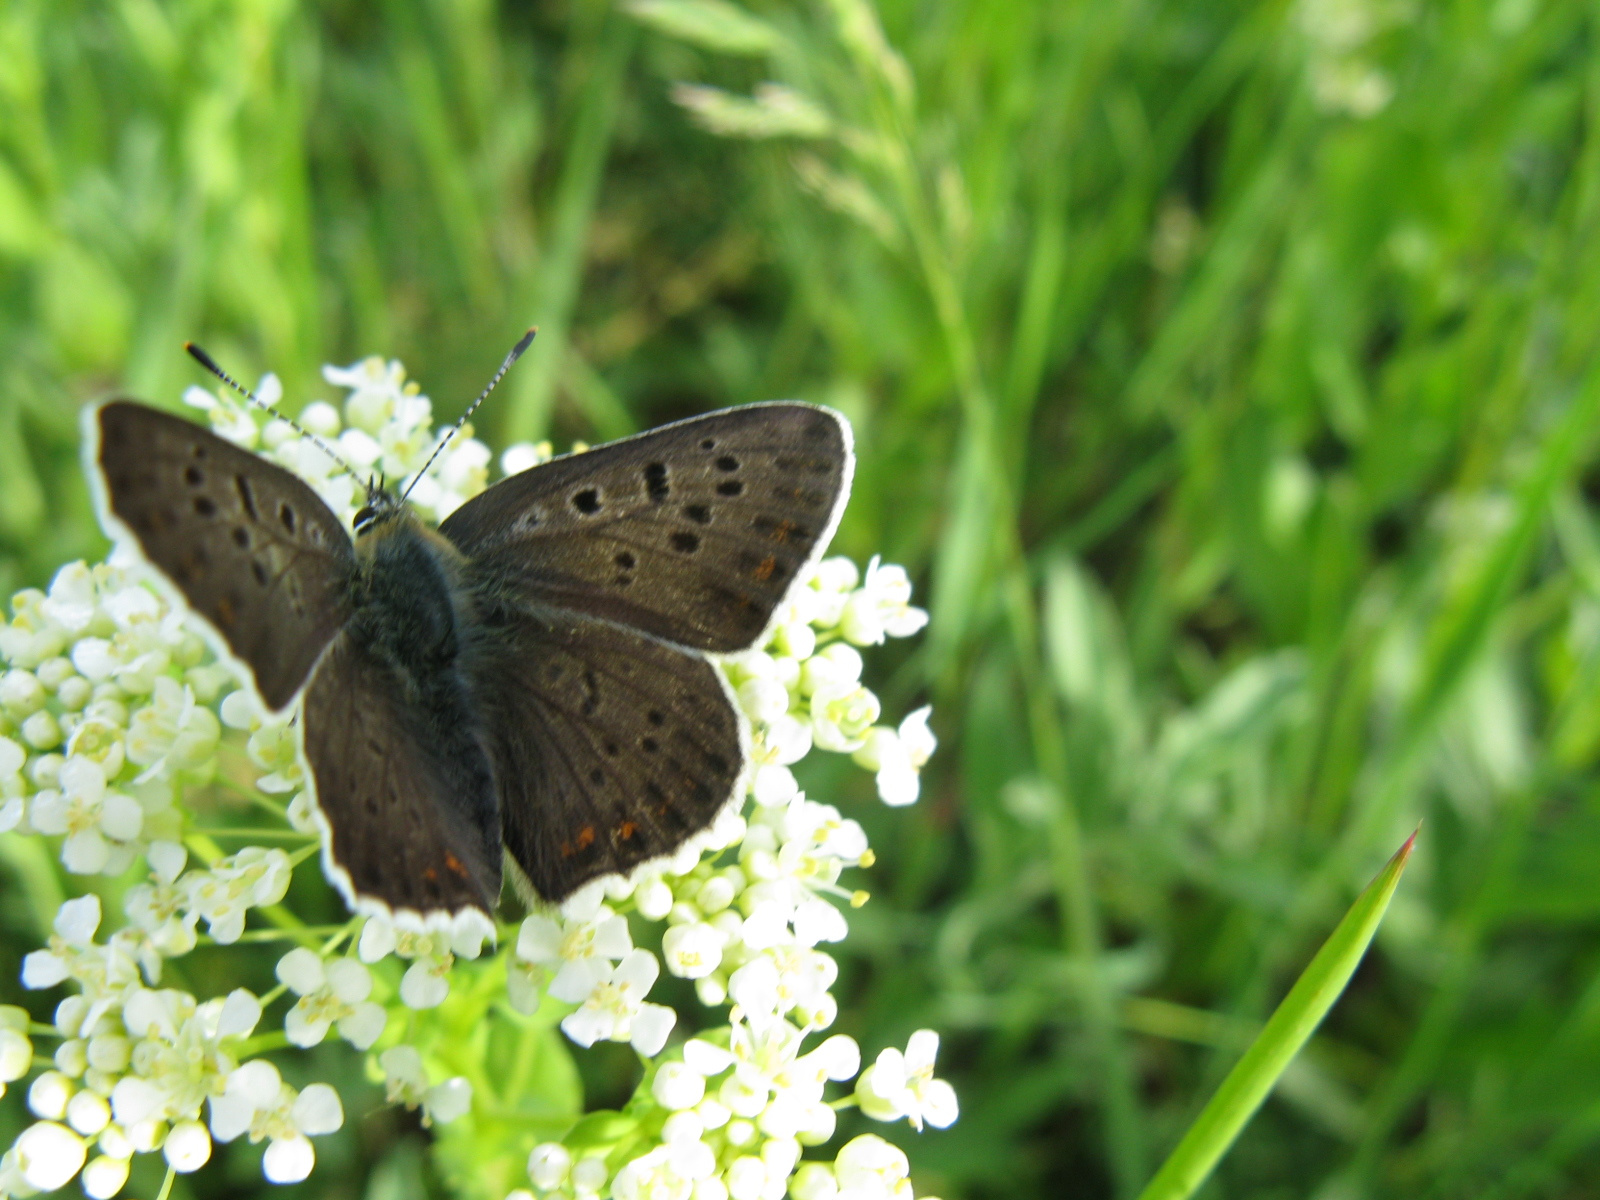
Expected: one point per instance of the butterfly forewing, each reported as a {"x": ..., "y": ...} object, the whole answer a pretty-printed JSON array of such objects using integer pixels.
[
  {"x": 409, "y": 805},
  {"x": 252, "y": 549},
  {"x": 609, "y": 747},
  {"x": 692, "y": 532}
]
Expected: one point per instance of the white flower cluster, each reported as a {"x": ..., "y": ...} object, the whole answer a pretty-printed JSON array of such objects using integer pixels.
[
  {"x": 136, "y": 1068},
  {"x": 736, "y": 1118},
  {"x": 110, "y": 704},
  {"x": 103, "y": 708}
]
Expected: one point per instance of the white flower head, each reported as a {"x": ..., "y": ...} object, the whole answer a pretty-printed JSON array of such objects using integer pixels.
[
  {"x": 615, "y": 1009},
  {"x": 869, "y": 1166},
  {"x": 882, "y": 607},
  {"x": 48, "y": 1155},
  {"x": 579, "y": 948},
  {"x": 252, "y": 878},
  {"x": 332, "y": 993},
  {"x": 898, "y": 756},
  {"x": 256, "y": 1101},
  {"x": 99, "y": 825},
  {"x": 841, "y": 715},
  {"x": 902, "y": 1085},
  {"x": 406, "y": 1082}
]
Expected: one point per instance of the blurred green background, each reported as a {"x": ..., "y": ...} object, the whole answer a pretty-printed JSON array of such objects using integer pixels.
[{"x": 1225, "y": 374}]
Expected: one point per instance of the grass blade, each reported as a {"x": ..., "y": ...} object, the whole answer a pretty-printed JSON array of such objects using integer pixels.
[{"x": 1291, "y": 1025}]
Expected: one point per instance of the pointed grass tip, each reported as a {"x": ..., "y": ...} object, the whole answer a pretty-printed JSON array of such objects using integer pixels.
[{"x": 1404, "y": 852}]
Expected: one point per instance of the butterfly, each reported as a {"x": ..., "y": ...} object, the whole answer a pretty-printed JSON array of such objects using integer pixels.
[{"x": 530, "y": 687}]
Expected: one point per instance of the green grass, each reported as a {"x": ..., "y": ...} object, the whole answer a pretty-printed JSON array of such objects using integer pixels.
[{"x": 1243, "y": 445}]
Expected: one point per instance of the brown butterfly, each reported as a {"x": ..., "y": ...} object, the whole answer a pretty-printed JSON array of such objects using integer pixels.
[{"x": 532, "y": 676}]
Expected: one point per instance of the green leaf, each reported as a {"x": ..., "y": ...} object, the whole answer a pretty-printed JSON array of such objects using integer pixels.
[
  {"x": 711, "y": 24},
  {"x": 1291, "y": 1026}
]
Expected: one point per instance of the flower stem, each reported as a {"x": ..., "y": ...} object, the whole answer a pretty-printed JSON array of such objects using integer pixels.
[{"x": 256, "y": 834}]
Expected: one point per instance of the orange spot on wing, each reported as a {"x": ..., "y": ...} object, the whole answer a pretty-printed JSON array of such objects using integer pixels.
[
  {"x": 430, "y": 875},
  {"x": 455, "y": 864},
  {"x": 784, "y": 529},
  {"x": 626, "y": 830},
  {"x": 764, "y": 571},
  {"x": 585, "y": 837}
]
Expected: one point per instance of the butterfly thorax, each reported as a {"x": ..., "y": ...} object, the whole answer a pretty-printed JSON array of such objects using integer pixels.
[{"x": 409, "y": 596}]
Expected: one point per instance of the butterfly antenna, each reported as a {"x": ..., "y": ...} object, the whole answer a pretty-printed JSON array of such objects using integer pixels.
[
  {"x": 516, "y": 353},
  {"x": 210, "y": 364}
]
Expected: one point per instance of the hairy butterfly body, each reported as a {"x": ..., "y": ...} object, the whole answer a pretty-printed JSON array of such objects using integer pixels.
[{"x": 530, "y": 678}]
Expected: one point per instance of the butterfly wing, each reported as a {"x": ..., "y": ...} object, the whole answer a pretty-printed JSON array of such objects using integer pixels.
[
  {"x": 692, "y": 532},
  {"x": 251, "y": 548},
  {"x": 609, "y": 747},
  {"x": 408, "y": 802}
]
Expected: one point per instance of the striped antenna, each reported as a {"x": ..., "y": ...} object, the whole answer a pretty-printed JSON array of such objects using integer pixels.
[
  {"x": 516, "y": 353},
  {"x": 210, "y": 364}
]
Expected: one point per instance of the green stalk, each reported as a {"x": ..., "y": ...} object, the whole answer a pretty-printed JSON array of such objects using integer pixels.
[{"x": 1247, "y": 1085}]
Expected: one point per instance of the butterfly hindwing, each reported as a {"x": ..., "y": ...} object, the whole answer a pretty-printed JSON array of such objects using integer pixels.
[
  {"x": 692, "y": 532},
  {"x": 252, "y": 548},
  {"x": 408, "y": 800},
  {"x": 609, "y": 747}
]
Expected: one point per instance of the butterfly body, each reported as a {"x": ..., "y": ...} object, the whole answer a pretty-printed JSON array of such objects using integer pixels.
[
  {"x": 413, "y": 615},
  {"x": 531, "y": 681}
]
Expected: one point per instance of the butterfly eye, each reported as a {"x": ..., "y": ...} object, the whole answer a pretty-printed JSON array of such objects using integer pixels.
[{"x": 364, "y": 517}]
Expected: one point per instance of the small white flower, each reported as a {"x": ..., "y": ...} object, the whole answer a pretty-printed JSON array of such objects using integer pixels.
[
  {"x": 98, "y": 824},
  {"x": 49, "y": 1155},
  {"x": 693, "y": 950},
  {"x": 256, "y": 1101},
  {"x": 49, "y": 1095},
  {"x": 378, "y": 940},
  {"x": 841, "y": 715},
  {"x": 330, "y": 993},
  {"x": 252, "y": 878},
  {"x": 16, "y": 1051},
  {"x": 426, "y": 982},
  {"x": 882, "y": 607},
  {"x": 448, "y": 1100},
  {"x": 579, "y": 949},
  {"x": 764, "y": 700},
  {"x": 834, "y": 666},
  {"x": 188, "y": 1147},
  {"x": 902, "y": 1085},
  {"x": 614, "y": 1009},
  {"x": 105, "y": 1176},
  {"x": 875, "y": 1167},
  {"x": 899, "y": 756},
  {"x": 667, "y": 1172},
  {"x": 72, "y": 601},
  {"x": 406, "y": 1082},
  {"x": 88, "y": 1113},
  {"x": 677, "y": 1086},
  {"x": 548, "y": 1165},
  {"x": 172, "y": 733},
  {"x": 814, "y": 1181},
  {"x": 520, "y": 456}
]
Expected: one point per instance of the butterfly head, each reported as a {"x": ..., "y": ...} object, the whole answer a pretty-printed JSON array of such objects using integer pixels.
[{"x": 382, "y": 506}]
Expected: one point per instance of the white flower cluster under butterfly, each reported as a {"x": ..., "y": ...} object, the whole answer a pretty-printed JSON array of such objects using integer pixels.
[{"x": 111, "y": 707}]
